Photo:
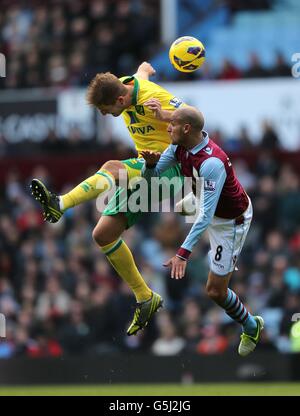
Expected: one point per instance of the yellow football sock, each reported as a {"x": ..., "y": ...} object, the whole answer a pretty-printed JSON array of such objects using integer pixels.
[
  {"x": 120, "y": 257},
  {"x": 89, "y": 189}
]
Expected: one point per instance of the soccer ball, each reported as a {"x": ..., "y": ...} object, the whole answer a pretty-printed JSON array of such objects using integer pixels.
[{"x": 187, "y": 54}]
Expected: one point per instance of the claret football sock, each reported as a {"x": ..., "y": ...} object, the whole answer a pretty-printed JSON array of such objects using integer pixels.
[
  {"x": 238, "y": 312},
  {"x": 89, "y": 189},
  {"x": 120, "y": 257}
]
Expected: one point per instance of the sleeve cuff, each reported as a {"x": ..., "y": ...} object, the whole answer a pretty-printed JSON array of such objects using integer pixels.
[{"x": 183, "y": 253}]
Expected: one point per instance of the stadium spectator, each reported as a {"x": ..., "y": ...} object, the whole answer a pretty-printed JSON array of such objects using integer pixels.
[
  {"x": 255, "y": 69},
  {"x": 281, "y": 68},
  {"x": 168, "y": 342},
  {"x": 212, "y": 341},
  {"x": 229, "y": 71},
  {"x": 269, "y": 140}
]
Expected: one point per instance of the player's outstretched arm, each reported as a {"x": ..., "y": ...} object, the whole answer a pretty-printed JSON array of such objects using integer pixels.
[{"x": 145, "y": 70}]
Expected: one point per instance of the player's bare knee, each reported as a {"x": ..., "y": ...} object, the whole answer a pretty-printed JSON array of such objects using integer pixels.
[
  {"x": 114, "y": 167},
  {"x": 100, "y": 237}
]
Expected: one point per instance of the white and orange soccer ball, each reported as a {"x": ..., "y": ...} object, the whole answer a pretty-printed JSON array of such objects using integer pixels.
[{"x": 187, "y": 54}]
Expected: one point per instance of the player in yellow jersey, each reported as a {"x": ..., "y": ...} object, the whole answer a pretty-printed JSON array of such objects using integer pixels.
[{"x": 146, "y": 109}]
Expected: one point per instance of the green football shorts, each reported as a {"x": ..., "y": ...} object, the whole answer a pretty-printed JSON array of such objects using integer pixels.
[{"x": 119, "y": 201}]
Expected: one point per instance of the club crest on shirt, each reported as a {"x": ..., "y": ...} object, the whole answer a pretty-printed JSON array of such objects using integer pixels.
[
  {"x": 208, "y": 150},
  {"x": 209, "y": 185},
  {"x": 140, "y": 110}
]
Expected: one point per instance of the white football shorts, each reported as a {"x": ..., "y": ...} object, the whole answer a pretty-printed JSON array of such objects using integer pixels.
[{"x": 226, "y": 241}]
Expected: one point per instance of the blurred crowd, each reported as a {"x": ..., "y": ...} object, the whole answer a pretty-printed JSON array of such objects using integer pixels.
[
  {"x": 66, "y": 42},
  {"x": 60, "y": 296}
]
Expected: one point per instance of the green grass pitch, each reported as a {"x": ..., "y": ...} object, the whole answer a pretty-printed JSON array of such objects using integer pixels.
[{"x": 213, "y": 389}]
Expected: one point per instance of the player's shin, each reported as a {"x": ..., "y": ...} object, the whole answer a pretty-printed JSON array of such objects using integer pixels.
[
  {"x": 87, "y": 190},
  {"x": 120, "y": 257}
]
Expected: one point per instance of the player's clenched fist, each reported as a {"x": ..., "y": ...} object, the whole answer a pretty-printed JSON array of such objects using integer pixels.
[
  {"x": 151, "y": 158},
  {"x": 146, "y": 67}
]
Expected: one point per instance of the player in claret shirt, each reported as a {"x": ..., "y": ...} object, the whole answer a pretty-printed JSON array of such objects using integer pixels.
[{"x": 227, "y": 213}]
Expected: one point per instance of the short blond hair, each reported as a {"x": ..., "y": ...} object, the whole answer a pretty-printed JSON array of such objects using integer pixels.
[{"x": 104, "y": 89}]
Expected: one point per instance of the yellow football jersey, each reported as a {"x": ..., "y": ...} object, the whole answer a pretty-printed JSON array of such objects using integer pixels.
[{"x": 146, "y": 131}]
